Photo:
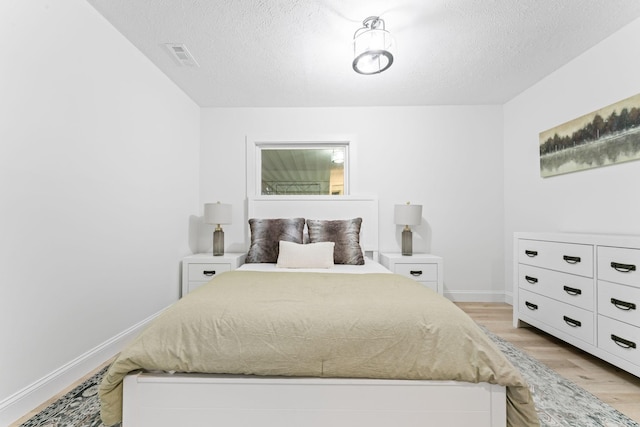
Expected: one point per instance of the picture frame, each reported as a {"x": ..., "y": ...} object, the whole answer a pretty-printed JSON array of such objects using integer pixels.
[{"x": 607, "y": 136}]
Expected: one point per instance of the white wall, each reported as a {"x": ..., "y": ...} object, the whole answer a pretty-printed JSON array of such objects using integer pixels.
[
  {"x": 602, "y": 200},
  {"x": 98, "y": 177},
  {"x": 449, "y": 159}
]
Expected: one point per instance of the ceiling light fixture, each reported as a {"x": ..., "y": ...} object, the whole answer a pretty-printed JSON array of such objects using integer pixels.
[
  {"x": 372, "y": 47},
  {"x": 337, "y": 156}
]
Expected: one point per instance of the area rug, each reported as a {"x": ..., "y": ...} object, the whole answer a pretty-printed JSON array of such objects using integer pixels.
[
  {"x": 78, "y": 408},
  {"x": 559, "y": 401}
]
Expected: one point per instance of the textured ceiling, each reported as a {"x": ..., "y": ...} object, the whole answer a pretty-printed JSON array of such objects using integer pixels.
[{"x": 298, "y": 53}]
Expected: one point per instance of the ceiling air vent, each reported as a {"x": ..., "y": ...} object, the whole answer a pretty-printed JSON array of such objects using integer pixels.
[{"x": 181, "y": 54}]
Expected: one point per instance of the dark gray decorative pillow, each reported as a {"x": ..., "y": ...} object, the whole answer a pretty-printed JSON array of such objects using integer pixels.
[
  {"x": 344, "y": 233},
  {"x": 266, "y": 235}
]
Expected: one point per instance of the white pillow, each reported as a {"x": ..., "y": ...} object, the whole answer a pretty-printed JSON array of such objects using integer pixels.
[{"x": 311, "y": 255}]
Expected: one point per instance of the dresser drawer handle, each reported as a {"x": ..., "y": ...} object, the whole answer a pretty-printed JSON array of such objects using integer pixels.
[
  {"x": 623, "y": 268},
  {"x": 572, "y": 291},
  {"x": 416, "y": 273},
  {"x": 209, "y": 272},
  {"x": 571, "y": 259},
  {"x": 572, "y": 322},
  {"x": 531, "y": 279},
  {"x": 622, "y": 342},
  {"x": 530, "y": 305},
  {"x": 623, "y": 305},
  {"x": 531, "y": 254}
]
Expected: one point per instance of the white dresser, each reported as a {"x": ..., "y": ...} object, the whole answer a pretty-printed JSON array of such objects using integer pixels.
[
  {"x": 583, "y": 289},
  {"x": 198, "y": 269}
]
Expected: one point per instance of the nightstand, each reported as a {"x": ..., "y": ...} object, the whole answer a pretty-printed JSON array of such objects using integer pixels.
[
  {"x": 198, "y": 269},
  {"x": 426, "y": 269}
]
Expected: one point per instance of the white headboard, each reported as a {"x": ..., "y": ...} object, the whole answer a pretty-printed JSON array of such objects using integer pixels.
[{"x": 322, "y": 207}]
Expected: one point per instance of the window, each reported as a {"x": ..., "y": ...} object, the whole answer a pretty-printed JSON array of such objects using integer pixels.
[
  {"x": 298, "y": 167},
  {"x": 306, "y": 171}
]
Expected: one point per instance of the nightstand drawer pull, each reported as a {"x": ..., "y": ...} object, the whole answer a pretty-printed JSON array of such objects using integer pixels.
[
  {"x": 416, "y": 273},
  {"x": 531, "y": 253},
  {"x": 530, "y": 305},
  {"x": 572, "y": 322},
  {"x": 572, "y": 291},
  {"x": 622, "y": 342},
  {"x": 623, "y": 268},
  {"x": 623, "y": 305},
  {"x": 571, "y": 259},
  {"x": 209, "y": 272},
  {"x": 531, "y": 279}
]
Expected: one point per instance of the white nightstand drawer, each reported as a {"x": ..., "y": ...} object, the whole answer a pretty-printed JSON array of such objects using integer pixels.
[
  {"x": 418, "y": 272},
  {"x": 192, "y": 286},
  {"x": 205, "y": 272},
  {"x": 431, "y": 285},
  {"x": 567, "y": 257},
  {"x": 198, "y": 269},
  {"x": 425, "y": 269},
  {"x": 619, "y": 265}
]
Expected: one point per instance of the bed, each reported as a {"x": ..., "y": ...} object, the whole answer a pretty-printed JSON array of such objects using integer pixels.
[{"x": 342, "y": 345}]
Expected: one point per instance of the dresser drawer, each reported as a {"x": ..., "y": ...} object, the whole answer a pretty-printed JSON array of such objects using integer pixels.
[
  {"x": 566, "y": 257},
  {"x": 619, "y": 302},
  {"x": 568, "y": 288},
  {"x": 205, "y": 272},
  {"x": 619, "y": 338},
  {"x": 619, "y": 265},
  {"x": 418, "y": 272},
  {"x": 569, "y": 319}
]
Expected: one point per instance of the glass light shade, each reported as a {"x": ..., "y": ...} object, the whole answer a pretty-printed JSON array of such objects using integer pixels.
[
  {"x": 337, "y": 156},
  {"x": 407, "y": 214},
  {"x": 372, "y": 51}
]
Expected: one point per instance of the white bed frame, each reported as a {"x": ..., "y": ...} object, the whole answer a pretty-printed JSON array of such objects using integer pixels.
[
  {"x": 165, "y": 400},
  {"x": 207, "y": 400}
]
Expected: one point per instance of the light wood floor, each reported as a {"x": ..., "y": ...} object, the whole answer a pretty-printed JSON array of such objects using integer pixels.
[{"x": 611, "y": 385}]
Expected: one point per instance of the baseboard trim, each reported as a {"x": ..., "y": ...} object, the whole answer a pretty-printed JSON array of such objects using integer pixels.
[
  {"x": 17, "y": 405},
  {"x": 508, "y": 298},
  {"x": 475, "y": 296}
]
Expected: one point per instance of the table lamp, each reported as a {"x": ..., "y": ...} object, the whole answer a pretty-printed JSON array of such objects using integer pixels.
[
  {"x": 407, "y": 215},
  {"x": 217, "y": 213}
]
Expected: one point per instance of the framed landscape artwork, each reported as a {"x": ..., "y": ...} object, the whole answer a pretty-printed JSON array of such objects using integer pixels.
[{"x": 605, "y": 137}]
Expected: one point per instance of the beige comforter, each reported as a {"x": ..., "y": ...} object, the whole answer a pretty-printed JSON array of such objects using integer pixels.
[{"x": 324, "y": 325}]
